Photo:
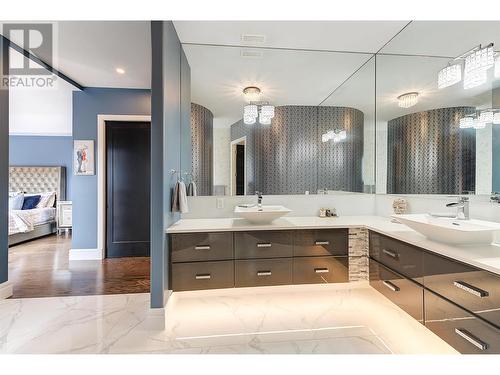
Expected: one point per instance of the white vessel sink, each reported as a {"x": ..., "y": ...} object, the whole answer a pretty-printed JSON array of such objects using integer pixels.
[
  {"x": 451, "y": 230},
  {"x": 265, "y": 214}
]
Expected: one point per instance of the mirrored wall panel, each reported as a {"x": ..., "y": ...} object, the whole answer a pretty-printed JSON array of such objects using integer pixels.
[
  {"x": 438, "y": 110},
  {"x": 280, "y": 121}
]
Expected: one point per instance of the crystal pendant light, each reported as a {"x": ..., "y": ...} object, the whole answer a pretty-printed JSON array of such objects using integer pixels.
[
  {"x": 474, "y": 79},
  {"x": 486, "y": 117},
  {"x": 476, "y": 65},
  {"x": 267, "y": 111},
  {"x": 250, "y": 110},
  {"x": 264, "y": 120},
  {"x": 466, "y": 123},
  {"x": 482, "y": 59},
  {"x": 250, "y": 113},
  {"x": 408, "y": 100},
  {"x": 449, "y": 76}
]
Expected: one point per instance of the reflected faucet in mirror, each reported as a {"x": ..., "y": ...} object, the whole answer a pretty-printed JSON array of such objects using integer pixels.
[{"x": 259, "y": 200}]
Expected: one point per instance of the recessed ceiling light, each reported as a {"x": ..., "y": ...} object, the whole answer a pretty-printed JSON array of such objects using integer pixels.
[{"x": 120, "y": 70}]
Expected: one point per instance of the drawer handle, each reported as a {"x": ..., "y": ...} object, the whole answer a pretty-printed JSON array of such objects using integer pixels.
[
  {"x": 203, "y": 247},
  {"x": 471, "y": 338},
  {"x": 391, "y": 286},
  {"x": 203, "y": 276},
  {"x": 264, "y": 273},
  {"x": 392, "y": 254},
  {"x": 471, "y": 289},
  {"x": 264, "y": 245},
  {"x": 322, "y": 243},
  {"x": 321, "y": 270}
]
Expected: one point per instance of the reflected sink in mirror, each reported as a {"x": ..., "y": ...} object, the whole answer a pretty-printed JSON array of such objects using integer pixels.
[
  {"x": 451, "y": 230},
  {"x": 262, "y": 215}
]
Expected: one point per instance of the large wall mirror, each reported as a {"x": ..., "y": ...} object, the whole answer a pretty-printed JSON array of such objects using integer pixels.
[
  {"x": 438, "y": 110},
  {"x": 306, "y": 124}
]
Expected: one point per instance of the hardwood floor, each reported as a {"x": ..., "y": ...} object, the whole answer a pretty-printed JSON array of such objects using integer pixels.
[{"x": 41, "y": 268}]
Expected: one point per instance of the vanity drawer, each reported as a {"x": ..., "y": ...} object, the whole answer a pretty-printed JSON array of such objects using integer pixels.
[
  {"x": 194, "y": 247},
  {"x": 319, "y": 270},
  {"x": 320, "y": 242},
  {"x": 398, "y": 256},
  {"x": 202, "y": 275},
  {"x": 476, "y": 290},
  {"x": 459, "y": 328},
  {"x": 401, "y": 291},
  {"x": 263, "y": 244},
  {"x": 263, "y": 272}
]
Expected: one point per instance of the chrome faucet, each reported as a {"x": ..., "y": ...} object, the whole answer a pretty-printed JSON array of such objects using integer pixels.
[
  {"x": 462, "y": 208},
  {"x": 259, "y": 200}
]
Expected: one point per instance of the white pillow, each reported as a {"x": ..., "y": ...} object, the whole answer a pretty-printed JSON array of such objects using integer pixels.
[
  {"x": 47, "y": 199},
  {"x": 16, "y": 202},
  {"x": 14, "y": 193}
]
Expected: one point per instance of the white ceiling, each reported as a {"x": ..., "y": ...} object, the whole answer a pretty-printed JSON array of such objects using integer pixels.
[
  {"x": 357, "y": 36},
  {"x": 219, "y": 74},
  {"x": 444, "y": 38},
  {"x": 90, "y": 51}
]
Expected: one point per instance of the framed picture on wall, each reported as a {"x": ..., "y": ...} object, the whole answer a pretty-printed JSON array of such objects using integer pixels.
[{"x": 83, "y": 158}]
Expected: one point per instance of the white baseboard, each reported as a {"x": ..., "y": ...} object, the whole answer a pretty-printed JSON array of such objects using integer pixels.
[
  {"x": 6, "y": 290},
  {"x": 86, "y": 254}
]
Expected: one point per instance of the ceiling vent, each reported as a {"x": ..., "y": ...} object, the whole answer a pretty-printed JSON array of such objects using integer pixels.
[
  {"x": 251, "y": 54},
  {"x": 253, "y": 38}
]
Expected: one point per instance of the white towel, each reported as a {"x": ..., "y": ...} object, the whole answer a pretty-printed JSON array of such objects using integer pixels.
[{"x": 183, "y": 203}]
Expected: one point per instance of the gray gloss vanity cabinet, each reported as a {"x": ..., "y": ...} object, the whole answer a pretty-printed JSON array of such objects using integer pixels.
[
  {"x": 402, "y": 291},
  {"x": 458, "y": 302},
  {"x": 258, "y": 258}
]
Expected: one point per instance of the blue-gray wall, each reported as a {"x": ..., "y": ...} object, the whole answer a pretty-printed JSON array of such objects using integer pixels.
[
  {"x": 43, "y": 151},
  {"x": 87, "y": 105},
  {"x": 4, "y": 166},
  {"x": 170, "y": 81}
]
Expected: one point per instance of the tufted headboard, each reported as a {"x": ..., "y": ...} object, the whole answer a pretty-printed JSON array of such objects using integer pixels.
[{"x": 38, "y": 180}]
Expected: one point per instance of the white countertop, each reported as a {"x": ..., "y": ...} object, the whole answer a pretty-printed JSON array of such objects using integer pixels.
[{"x": 484, "y": 256}]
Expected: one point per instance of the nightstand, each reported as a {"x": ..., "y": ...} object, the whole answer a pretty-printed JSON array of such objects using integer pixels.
[{"x": 64, "y": 216}]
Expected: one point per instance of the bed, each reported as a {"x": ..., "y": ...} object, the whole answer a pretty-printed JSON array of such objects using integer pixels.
[{"x": 25, "y": 225}]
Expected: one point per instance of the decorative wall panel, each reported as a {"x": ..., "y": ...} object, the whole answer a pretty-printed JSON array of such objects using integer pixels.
[
  {"x": 202, "y": 124},
  {"x": 289, "y": 158},
  {"x": 339, "y": 164},
  {"x": 427, "y": 153}
]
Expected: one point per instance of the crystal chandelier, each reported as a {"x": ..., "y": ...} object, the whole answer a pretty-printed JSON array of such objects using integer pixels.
[
  {"x": 449, "y": 76},
  {"x": 256, "y": 109},
  {"x": 480, "y": 119},
  {"x": 334, "y": 136},
  {"x": 408, "y": 100},
  {"x": 476, "y": 63}
]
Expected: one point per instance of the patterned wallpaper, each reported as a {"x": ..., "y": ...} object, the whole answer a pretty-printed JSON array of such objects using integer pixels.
[
  {"x": 202, "y": 121},
  {"x": 288, "y": 157},
  {"x": 427, "y": 153}
]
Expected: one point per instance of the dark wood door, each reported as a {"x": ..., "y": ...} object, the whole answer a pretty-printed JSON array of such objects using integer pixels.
[
  {"x": 128, "y": 188},
  {"x": 240, "y": 170}
]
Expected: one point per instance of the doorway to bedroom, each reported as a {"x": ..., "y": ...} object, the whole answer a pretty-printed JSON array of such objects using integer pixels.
[{"x": 45, "y": 127}]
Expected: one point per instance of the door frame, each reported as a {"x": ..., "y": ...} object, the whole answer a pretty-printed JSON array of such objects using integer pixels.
[
  {"x": 232, "y": 169},
  {"x": 101, "y": 173}
]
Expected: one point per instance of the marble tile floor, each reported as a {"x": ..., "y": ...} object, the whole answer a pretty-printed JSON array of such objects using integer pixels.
[{"x": 334, "y": 318}]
